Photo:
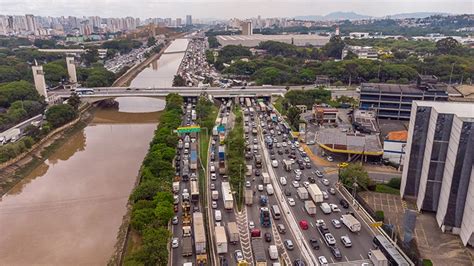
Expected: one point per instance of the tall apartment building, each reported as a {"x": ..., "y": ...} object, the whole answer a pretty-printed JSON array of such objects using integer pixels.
[
  {"x": 439, "y": 159},
  {"x": 394, "y": 101},
  {"x": 30, "y": 23},
  {"x": 246, "y": 27},
  {"x": 189, "y": 20}
]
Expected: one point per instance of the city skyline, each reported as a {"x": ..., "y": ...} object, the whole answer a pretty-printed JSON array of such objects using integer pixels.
[{"x": 225, "y": 9}]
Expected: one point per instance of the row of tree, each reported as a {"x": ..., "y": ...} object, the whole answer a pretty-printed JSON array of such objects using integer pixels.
[
  {"x": 152, "y": 199},
  {"x": 235, "y": 148}
]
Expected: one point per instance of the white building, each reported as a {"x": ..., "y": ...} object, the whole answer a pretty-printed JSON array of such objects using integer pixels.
[
  {"x": 247, "y": 28},
  {"x": 438, "y": 170},
  {"x": 394, "y": 146},
  {"x": 363, "y": 52}
]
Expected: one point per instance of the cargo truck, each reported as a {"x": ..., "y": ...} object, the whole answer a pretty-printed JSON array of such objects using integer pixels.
[
  {"x": 176, "y": 187},
  {"x": 199, "y": 234},
  {"x": 215, "y": 195},
  {"x": 302, "y": 193},
  {"x": 287, "y": 165},
  {"x": 227, "y": 196},
  {"x": 259, "y": 252},
  {"x": 221, "y": 240},
  {"x": 351, "y": 222},
  {"x": 310, "y": 207},
  {"x": 315, "y": 193},
  {"x": 377, "y": 257},
  {"x": 233, "y": 232},
  {"x": 187, "y": 246},
  {"x": 266, "y": 178},
  {"x": 248, "y": 197},
  {"x": 221, "y": 153}
]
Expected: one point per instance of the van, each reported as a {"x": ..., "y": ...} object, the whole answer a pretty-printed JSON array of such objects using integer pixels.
[
  {"x": 218, "y": 215},
  {"x": 281, "y": 228},
  {"x": 325, "y": 208},
  {"x": 269, "y": 189}
]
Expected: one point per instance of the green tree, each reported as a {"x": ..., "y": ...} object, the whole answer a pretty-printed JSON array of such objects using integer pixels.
[
  {"x": 141, "y": 218},
  {"x": 447, "y": 45},
  {"x": 60, "y": 114},
  {"x": 293, "y": 116},
  {"x": 55, "y": 73},
  {"x": 91, "y": 56},
  {"x": 151, "y": 41},
  {"x": 334, "y": 47},
  {"x": 213, "y": 43},
  {"x": 350, "y": 55},
  {"x": 355, "y": 173},
  {"x": 74, "y": 100},
  {"x": 179, "y": 81}
]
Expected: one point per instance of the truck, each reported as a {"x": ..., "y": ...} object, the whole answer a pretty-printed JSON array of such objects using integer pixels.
[
  {"x": 325, "y": 208},
  {"x": 287, "y": 165},
  {"x": 249, "y": 170},
  {"x": 266, "y": 178},
  {"x": 310, "y": 207},
  {"x": 248, "y": 197},
  {"x": 193, "y": 115},
  {"x": 180, "y": 144},
  {"x": 233, "y": 232},
  {"x": 186, "y": 231},
  {"x": 221, "y": 240},
  {"x": 199, "y": 234},
  {"x": 258, "y": 161},
  {"x": 377, "y": 257},
  {"x": 193, "y": 165},
  {"x": 269, "y": 189},
  {"x": 265, "y": 219},
  {"x": 176, "y": 187},
  {"x": 215, "y": 195},
  {"x": 351, "y": 222},
  {"x": 194, "y": 191},
  {"x": 222, "y": 167},
  {"x": 315, "y": 193},
  {"x": 302, "y": 193},
  {"x": 273, "y": 252},
  {"x": 259, "y": 252},
  {"x": 263, "y": 200},
  {"x": 227, "y": 196},
  {"x": 221, "y": 153},
  {"x": 187, "y": 246},
  {"x": 214, "y": 131}
]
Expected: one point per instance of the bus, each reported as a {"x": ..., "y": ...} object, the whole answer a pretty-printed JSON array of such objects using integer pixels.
[
  {"x": 84, "y": 91},
  {"x": 390, "y": 251},
  {"x": 194, "y": 191},
  {"x": 276, "y": 212}
]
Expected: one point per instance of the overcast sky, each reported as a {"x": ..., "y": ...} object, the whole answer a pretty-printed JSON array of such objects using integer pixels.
[{"x": 227, "y": 8}]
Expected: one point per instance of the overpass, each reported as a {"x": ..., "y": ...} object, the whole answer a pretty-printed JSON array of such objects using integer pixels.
[{"x": 104, "y": 93}]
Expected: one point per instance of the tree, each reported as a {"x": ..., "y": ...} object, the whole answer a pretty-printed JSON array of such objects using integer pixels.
[
  {"x": 91, "y": 56},
  {"x": 60, "y": 114},
  {"x": 350, "y": 55},
  {"x": 151, "y": 41},
  {"x": 213, "y": 43},
  {"x": 74, "y": 101},
  {"x": 293, "y": 116},
  {"x": 355, "y": 173},
  {"x": 351, "y": 68},
  {"x": 55, "y": 73},
  {"x": 334, "y": 47},
  {"x": 447, "y": 45},
  {"x": 179, "y": 81}
]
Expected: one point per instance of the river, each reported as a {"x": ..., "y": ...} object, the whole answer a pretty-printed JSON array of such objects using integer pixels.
[
  {"x": 160, "y": 73},
  {"x": 68, "y": 210}
]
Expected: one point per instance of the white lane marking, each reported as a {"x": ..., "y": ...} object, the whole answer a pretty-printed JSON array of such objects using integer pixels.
[
  {"x": 362, "y": 256},
  {"x": 311, "y": 223},
  {"x": 346, "y": 258}
]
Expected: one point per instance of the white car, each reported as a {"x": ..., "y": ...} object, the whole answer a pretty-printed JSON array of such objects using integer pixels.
[
  {"x": 175, "y": 242},
  {"x": 336, "y": 223},
  {"x": 320, "y": 222},
  {"x": 284, "y": 144},
  {"x": 213, "y": 176},
  {"x": 213, "y": 186},
  {"x": 298, "y": 171},
  {"x": 214, "y": 204},
  {"x": 329, "y": 158},
  {"x": 291, "y": 201},
  {"x": 301, "y": 149},
  {"x": 275, "y": 163},
  {"x": 306, "y": 159},
  {"x": 334, "y": 207},
  {"x": 283, "y": 181},
  {"x": 318, "y": 173},
  {"x": 248, "y": 184},
  {"x": 251, "y": 225},
  {"x": 296, "y": 184},
  {"x": 306, "y": 184},
  {"x": 346, "y": 241},
  {"x": 330, "y": 239},
  {"x": 325, "y": 195},
  {"x": 260, "y": 187},
  {"x": 322, "y": 260},
  {"x": 325, "y": 181},
  {"x": 297, "y": 144}
]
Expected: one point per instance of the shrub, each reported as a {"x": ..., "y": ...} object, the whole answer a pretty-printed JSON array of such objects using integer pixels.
[
  {"x": 395, "y": 182},
  {"x": 379, "y": 216}
]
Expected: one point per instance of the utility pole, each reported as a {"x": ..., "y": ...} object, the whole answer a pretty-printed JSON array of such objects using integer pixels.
[{"x": 451, "y": 75}]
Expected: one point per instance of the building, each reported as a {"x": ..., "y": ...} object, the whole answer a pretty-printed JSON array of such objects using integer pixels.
[
  {"x": 439, "y": 159},
  {"x": 365, "y": 121},
  {"x": 30, "y": 23},
  {"x": 324, "y": 115},
  {"x": 363, "y": 52},
  {"x": 256, "y": 39},
  {"x": 189, "y": 20},
  {"x": 393, "y": 101},
  {"x": 359, "y": 35},
  {"x": 394, "y": 146},
  {"x": 179, "y": 23},
  {"x": 246, "y": 28},
  {"x": 465, "y": 93}
]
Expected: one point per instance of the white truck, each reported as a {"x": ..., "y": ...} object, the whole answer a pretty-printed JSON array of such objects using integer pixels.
[
  {"x": 310, "y": 207},
  {"x": 325, "y": 208},
  {"x": 269, "y": 189},
  {"x": 233, "y": 232},
  {"x": 227, "y": 196},
  {"x": 266, "y": 178},
  {"x": 351, "y": 222},
  {"x": 315, "y": 193},
  {"x": 377, "y": 257},
  {"x": 176, "y": 187},
  {"x": 287, "y": 165},
  {"x": 273, "y": 252},
  {"x": 248, "y": 197},
  {"x": 215, "y": 195},
  {"x": 249, "y": 170},
  {"x": 221, "y": 240},
  {"x": 302, "y": 193}
]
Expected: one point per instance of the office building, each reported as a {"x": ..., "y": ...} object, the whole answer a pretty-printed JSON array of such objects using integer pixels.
[
  {"x": 246, "y": 27},
  {"x": 362, "y": 52},
  {"x": 438, "y": 169},
  {"x": 189, "y": 20},
  {"x": 394, "y": 101}
]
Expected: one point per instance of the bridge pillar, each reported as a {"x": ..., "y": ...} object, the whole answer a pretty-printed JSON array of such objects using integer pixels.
[
  {"x": 40, "y": 83},
  {"x": 71, "y": 69}
]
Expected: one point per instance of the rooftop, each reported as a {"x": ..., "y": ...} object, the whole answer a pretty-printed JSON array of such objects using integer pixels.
[
  {"x": 463, "y": 110},
  {"x": 398, "y": 135},
  {"x": 465, "y": 93},
  {"x": 254, "y": 40},
  {"x": 340, "y": 142},
  {"x": 401, "y": 88}
]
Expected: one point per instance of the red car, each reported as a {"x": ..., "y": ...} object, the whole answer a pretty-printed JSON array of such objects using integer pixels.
[{"x": 304, "y": 224}]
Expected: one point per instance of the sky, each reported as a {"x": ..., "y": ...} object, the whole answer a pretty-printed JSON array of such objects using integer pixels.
[{"x": 227, "y": 8}]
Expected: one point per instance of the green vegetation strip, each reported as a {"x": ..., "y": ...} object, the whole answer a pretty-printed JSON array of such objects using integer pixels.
[
  {"x": 382, "y": 188},
  {"x": 235, "y": 156},
  {"x": 152, "y": 199}
]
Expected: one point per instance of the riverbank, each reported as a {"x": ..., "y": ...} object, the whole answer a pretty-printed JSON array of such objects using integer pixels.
[{"x": 15, "y": 170}]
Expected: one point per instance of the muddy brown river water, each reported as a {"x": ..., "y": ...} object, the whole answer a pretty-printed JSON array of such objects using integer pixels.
[{"x": 69, "y": 209}]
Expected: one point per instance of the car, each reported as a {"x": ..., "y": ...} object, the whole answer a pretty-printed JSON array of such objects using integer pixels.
[
  {"x": 301, "y": 166},
  {"x": 257, "y": 172},
  {"x": 272, "y": 152},
  {"x": 301, "y": 149},
  {"x": 291, "y": 201},
  {"x": 311, "y": 179},
  {"x": 287, "y": 151},
  {"x": 325, "y": 181},
  {"x": 336, "y": 252},
  {"x": 298, "y": 171},
  {"x": 275, "y": 163},
  {"x": 248, "y": 184},
  {"x": 278, "y": 145},
  {"x": 322, "y": 260},
  {"x": 330, "y": 239},
  {"x": 306, "y": 184},
  {"x": 297, "y": 144},
  {"x": 268, "y": 237},
  {"x": 213, "y": 176},
  {"x": 176, "y": 199},
  {"x": 297, "y": 262},
  {"x": 325, "y": 195},
  {"x": 255, "y": 141},
  {"x": 238, "y": 255},
  {"x": 283, "y": 181},
  {"x": 298, "y": 177},
  {"x": 329, "y": 158},
  {"x": 289, "y": 244},
  {"x": 280, "y": 152},
  {"x": 293, "y": 147},
  {"x": 260, "y": 187},
  {"x": 306, "y": 159},
  {"x": 175, "y": 242},
  {"x": 308, "y": 166},
  {"x": 336, "y": 223},
  {"x": 320, "y": 222},
  {"x": 314, "y": 243},
  {"x": 281, "y": 228},
  {"x": 344, "y": 203},
  {"x": 272, "y": 157},
  {"x": 287, "y": 192},
  {"x": 213, "y": 186},
  {"x": 304, "y": 224},
  {"x": 332, "y": 191},
  {"x": 214, "y": 204},
  {"x": 318, "y": 173},
  {"x": 251, "y": 225},
  {"x": 334, "y": 207},
  {"x": 343, "y": 165},
  {"x": 284, "y": 144},
  {"x": 295, "y": 184},
  {"x": 195, "y": 208},
  {"x": 346, "y": 241},
  {"x": 175, "y": 220}
]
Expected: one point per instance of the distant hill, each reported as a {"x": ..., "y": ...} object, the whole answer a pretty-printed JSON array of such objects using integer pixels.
[
  {"x": 416, "y": 15},
  {"x": 356, "y": 16}
]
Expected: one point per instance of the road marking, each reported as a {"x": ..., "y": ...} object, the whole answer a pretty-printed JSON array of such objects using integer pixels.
[
  {"x": 346, "y": 258},
  {"x": 331, "y": 260},
  {"x": 311, "y": 223},
  {"x": 362, "y": 256}
]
